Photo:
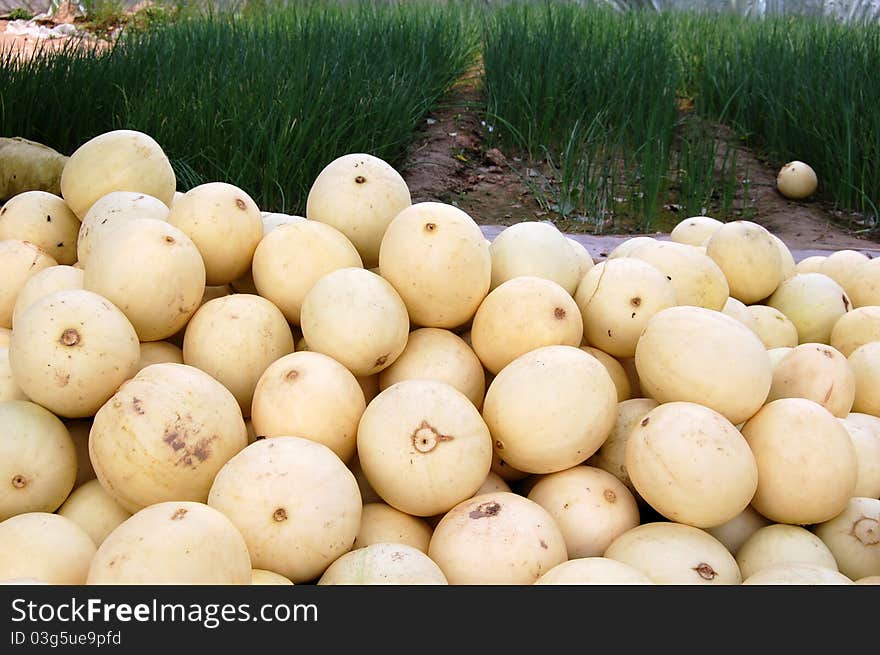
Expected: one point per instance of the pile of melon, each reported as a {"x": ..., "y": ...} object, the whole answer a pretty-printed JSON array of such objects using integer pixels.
[{"x": 197, "y": 391}]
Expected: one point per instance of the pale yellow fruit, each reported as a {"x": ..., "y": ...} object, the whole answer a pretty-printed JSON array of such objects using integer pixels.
[
  {"x": 776, "y": 355},
  {"x": 864, "y": 430},
  {"x": 675, "y": 554},
  {"x": 749, "y": 257},
  {"x": 590, "y": 506},
  {"x": 436, "y": 258},
  {"x": 534, "y": 249},
  {"x": 5, "y": 336},
  {"x": 691, "y": 464},
  {"x": 235, "y": 339},
  {"x": 49, "y": 280},
  {"x": 164, "y": 435},
  {"x": 37, "y": 459},
  {"x": 811, "y": 264},
  {"x": 611, "y": 455},
  {"x": 739, "y": 311},
  {"x": 79, "y": 432},
  {"x": 695, "y": 277},
  {"x": 358, "y": 194},
  {"x": 813, "y": 302},
  {"x": 593, "y": 570},
  {"x": 71, "y": 350},
  {"x": 853, "y": 537},
  {"x": 174, "y": 543},
  {"x": 45, "y": 547},
  {"x": 497, "y": 538},
  {"x": 865, "y": 284},
  {"x": 493, "y": 482},
  {"x": 111, "y": 209},
  {"x": 357, "y": 318},
  {"x": 782, "y": 544},
  {"x": 44, "y": 219},
  {"x": 94, "y": 510},
  {"x": 855, "y": 329},
  {"x": 158, "y": 352},
  {"x": 309, "y": 395},
  {"x": 295, "y": 502},
  {"x": 423, "y": 446},
  {"x": 119, "y": 160},
  {"x": 9, "y": 389},
  {"x": 617, "y": 298},
  {"x": 773, "y": 328},
  {"x": 865, "y": 364},
  {"x": 384, "y": 564},
  {"x": 19, "y": 261},
  {"x": 550, "y": 409},
  {"x": 437, "y": 354},
  {"x": 817, "y": 372},
  {"x": 625, "y": 247},
  {"x": 289, "y": 260},
  {"x": 521, "y": 315},
  {"x": 225, "y": 224},
  {"x": 703, "y": 356},
  {"x": 734, "y": 532},
  {"x": 381, "y": 523},
  {"x": 615, "y": 370},
  {"x": 273, "y": 220},
  {"x": 797, "y": 573},
  {"x": 807, "y": 467},
  {"x": 152, "y": 271},
  {"x": 843, "y": 266},
  {"x": 696, "y": 230},
  {"x": 585, "y": 259},
  {"x": 796, "y": 180},
  {"x": 787, "y": 264},
  {"x": 264, "y": 577}
]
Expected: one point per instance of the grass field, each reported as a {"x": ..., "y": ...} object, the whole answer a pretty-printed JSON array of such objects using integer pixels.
[{"x": 623, "y": 113}]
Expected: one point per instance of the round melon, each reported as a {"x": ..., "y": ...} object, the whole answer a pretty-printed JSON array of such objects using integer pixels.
[
  {"x": 864, "y": 430},
  {"x": 48, "y": 280},
  {"x": 813, "y": 302},
  {"x": 865, "y": 364},
  {"x": 695, "y": 231},
  {"x": 782, "y": 544},
  {"x": 19, "y": 261},
  {"x": 384, "y": 564},
  {"x": 45, "y": 547},
  {"x": 855, "y": 329},
  {"x": 817, "y": 372},
  {"x": 853, "y": 537},
  {"x": 749, "y": 258},
  {"x": 796, "y": 180},
  {"x": 593, "y": 570},
  {"x": 773, "y": 328},
  {"x": 44, "y": 219},
  {"x": 381, "y": 523},
  {"x": 534, "y": 249}
]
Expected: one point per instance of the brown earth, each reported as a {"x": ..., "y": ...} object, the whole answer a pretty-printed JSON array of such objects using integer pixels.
[{"x": 449, "y": 162}]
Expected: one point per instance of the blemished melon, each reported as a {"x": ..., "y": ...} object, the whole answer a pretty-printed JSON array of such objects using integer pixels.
[
  {"x": 773, "y": 328},
  {"x": 119, "y": 160},
  {"x": 359, "y": 194},
  {"x": 796, "y": 180},
  {"x": 695, "y": 231},
  {"x": 853, "y": 537},
  {"x": 813, "y": 302},
  {"x": 164, "y": 435},
  {"x": 48, "y": 280},
  {"x": 497, "y": 538},
  {"x": 817, "y": 372}
]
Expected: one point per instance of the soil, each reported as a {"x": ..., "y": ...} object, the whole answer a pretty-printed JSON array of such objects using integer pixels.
[{"x": 450, "y": 161}]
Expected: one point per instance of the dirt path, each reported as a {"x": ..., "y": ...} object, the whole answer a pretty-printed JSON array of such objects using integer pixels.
[{"x": 449, "y": 162}]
